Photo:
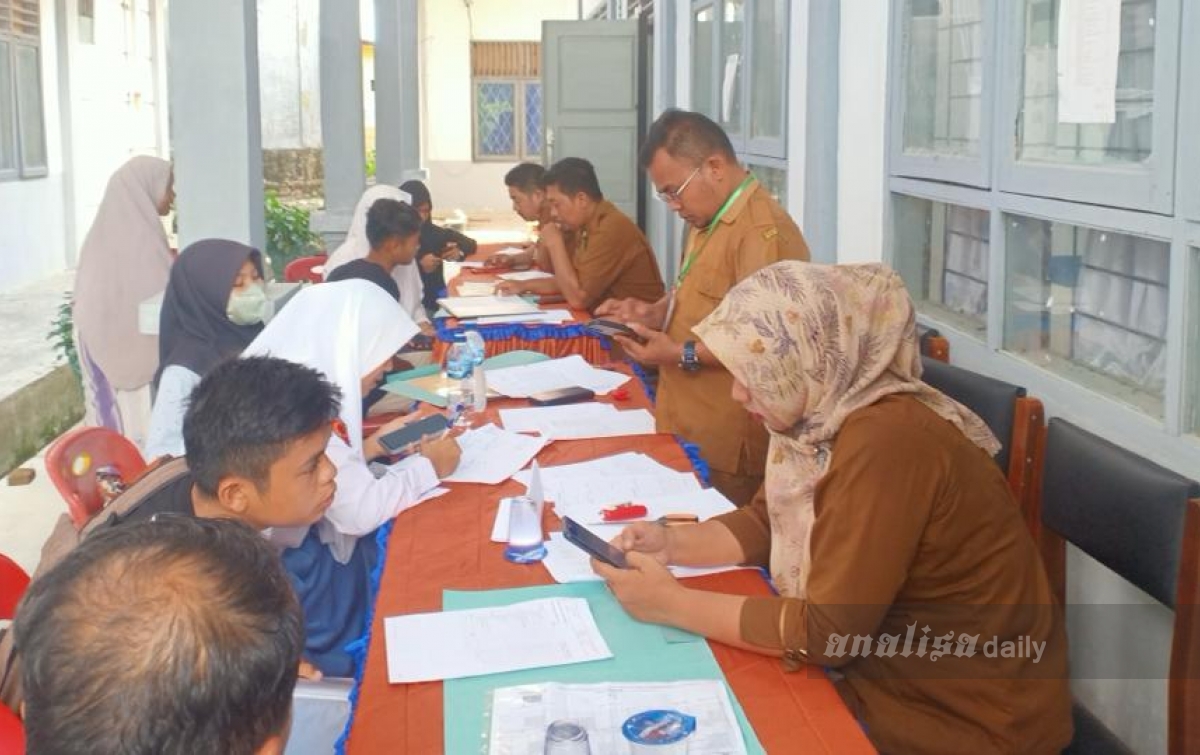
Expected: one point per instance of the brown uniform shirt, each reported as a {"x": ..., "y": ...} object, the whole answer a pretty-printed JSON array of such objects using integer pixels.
[
  {"x": 613, "y": 259},
  {"x": 753, "y": 233},
  {"x": 916, "y": 527}
]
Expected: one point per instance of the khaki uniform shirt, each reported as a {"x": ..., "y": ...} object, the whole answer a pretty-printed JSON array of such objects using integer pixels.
[
  {"x": 917, "y": 536},
  {"x": 613, "y": 259},
  {"x": 753, "y": 233}
]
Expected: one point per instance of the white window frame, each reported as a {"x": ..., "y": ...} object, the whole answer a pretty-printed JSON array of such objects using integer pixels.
[
  {"x": 1148, "y": 186},
  {"x": 1189, "y": 115},
  {"x": 12, "y": 110},
  {"x": 969, "y": 171},
  {"x": 521, "y": 154}
]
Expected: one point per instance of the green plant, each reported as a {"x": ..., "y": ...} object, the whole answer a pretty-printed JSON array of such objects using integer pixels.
[
  {"x": 62, "y": 333},
  {"x": 288, "y": 234},
  {"x": 370, "y": 165}
]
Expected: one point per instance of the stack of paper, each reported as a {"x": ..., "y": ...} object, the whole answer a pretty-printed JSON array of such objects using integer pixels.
[
  {"x": 525, "y": 275},
  {"x": 482, "y": 306},
  {"x": 475, "y": 288},
  {"x": 520, "y": 715},
  {"x": 590, "y": 420},
  {"x": 491, "y": 455},
  {"x": 546, "y": 316},
  {"x": 552, "y": 375},
  {"x": 626, "y": 475},
  {"x": 426, "y": 647}
]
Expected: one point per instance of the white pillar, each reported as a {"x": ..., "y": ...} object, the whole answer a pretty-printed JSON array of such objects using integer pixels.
[
  {"x": 397, "y": 92},
  {"x": 216, "y": 139},
  {"x": 344, "y": 152},
  {"x": 662, "y": 224}
]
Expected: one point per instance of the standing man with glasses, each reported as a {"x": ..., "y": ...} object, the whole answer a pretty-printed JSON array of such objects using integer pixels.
[{"x": 737, "y": 228}]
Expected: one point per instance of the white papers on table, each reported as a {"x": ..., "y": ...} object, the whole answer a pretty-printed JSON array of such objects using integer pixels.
[
  {"x": 567, "y": 562},
  {"x": 548, "y": 316},
  {"x": 426, "y": 647},
  {"x": 575, "y": 421},
  {"x": 475, "y": 288},
  {"x": 491, "y": 455},
  {"x": 609, "y": 468},
  {"x": 520, "y": 715},
  {"x": 483, "y": 306},
  {"x": 525, "y": 275},
  {"x": 1089, "y": 45},
  {"x": 704, "y": 504},
  {"x": 477, "y": 264},
  {"x": 553, "y": 374}
]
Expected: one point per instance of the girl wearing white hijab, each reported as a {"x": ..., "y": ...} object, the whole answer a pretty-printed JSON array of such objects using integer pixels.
[
  {"x": 124, "y": 260},
  {"x": 356, "y": 246},
  {"x": 349, "y": 331}
]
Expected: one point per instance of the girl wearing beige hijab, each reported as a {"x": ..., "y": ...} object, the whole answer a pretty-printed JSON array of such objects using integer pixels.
[
  {"x": 124, "y": 260},
  {"x": 887, "y": 529}
]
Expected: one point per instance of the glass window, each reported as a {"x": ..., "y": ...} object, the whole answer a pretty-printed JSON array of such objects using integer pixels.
[
  {"x": 8, "y": 128},
  {"x": 533, "y": 119},
  {"x": 732, "y": 24},
  {"x": 766, "y": 81},
  {"x": 495, "y": 119},
  {"x": 1090, "y": 305},
  {"x": 941, "y": 251},
  {"x": 774, "y": 180},
  {"x": 29, "y": 110},
  {"x": 702, "y": 54},
  {"x": 1044, "y": 135},
  {"x": 1191, "y": 375},
  {"x": 943, "y": 77}
]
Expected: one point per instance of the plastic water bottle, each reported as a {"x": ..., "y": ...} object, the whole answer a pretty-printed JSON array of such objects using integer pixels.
[
  {"x": 526, "y": 540},
  {"x": 474, "y": 343},
  {"x": 459, "y": 365}
]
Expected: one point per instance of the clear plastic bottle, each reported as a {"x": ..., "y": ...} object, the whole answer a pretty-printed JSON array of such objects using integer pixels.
[
  {"x": 475, "y": 345},
  {"x": 459, "y": 366}
]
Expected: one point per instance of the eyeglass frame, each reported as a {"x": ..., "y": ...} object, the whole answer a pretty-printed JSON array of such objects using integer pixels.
[{"x": 673, "y": 197}]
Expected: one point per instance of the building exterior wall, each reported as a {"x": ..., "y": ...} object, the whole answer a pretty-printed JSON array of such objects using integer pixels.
[
  {"x": 447, "y": 31},
  {"x": 289, "y": 83}
]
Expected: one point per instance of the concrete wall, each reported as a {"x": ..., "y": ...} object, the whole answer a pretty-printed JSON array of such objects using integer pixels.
[
  {"x": 289, "y": 87},
  {"x": 446, "y": 33},
  {"x": 31, "y": 211}
]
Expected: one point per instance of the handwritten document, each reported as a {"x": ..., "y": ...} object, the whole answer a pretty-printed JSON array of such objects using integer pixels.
[{"x": 425, "y": 647}]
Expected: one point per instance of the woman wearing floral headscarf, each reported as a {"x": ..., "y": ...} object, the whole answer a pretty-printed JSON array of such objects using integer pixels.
[{"x": 889, "y": 531}]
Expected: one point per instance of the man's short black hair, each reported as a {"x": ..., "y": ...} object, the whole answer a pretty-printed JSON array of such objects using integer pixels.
[
  {"x": 572, "y": 175},
  {"x": 389, "y": 217},
  {"x": 246, "y": 412},
  {"x": 176, "y": 635},
  {"x": 687, "y": 136},
  {"x": 525, "y": 177},
  {"x": 418, "y": 191}
]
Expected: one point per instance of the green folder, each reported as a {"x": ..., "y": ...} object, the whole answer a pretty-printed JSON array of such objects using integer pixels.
[
  {"x": 641, "y": 653},
  {"x": 415, "y": 383}
]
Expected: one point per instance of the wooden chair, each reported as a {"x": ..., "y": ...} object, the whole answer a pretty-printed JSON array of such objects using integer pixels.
[
  {"x": 1017, "y": 420},
  {"x": 1143, "y": 522}
]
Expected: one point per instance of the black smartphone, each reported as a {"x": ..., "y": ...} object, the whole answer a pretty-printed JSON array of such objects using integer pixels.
[
  {"x": 398, "y": 440},
  {"x": 611, "y": 328},
  {"x": 562, "y": 396},
  {"x": 583, "y": 539}
]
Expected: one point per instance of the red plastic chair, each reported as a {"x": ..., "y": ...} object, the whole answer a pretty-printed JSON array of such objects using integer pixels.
[
  {"x": 301, "y": 269},
  {"x": 13, "y": 581},
  {"x": 73, "y": 460},
  {"x": 12, "y": 733}
]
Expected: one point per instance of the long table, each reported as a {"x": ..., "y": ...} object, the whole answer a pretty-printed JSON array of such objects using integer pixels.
[
  {"x": 445, "y": 544},
  {"x": 555, "y": 340}
]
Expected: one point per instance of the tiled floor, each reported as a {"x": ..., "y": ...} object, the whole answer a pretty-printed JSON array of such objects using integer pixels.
[{"x": 27, "y": 515}]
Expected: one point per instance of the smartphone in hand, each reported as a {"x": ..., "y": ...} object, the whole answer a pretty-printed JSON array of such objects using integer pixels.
[
  {"x": 398, "y": 440},
  {"x": 584, "y": 539}
]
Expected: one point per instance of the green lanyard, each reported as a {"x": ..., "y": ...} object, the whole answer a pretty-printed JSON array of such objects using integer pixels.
[{"x": 712, "y": 226}]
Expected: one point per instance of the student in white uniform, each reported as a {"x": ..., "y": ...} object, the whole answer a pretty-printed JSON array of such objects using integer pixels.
[{"x": 349, "y": 332}]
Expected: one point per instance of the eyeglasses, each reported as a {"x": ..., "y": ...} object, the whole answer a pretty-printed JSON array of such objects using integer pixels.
[{"x": 671, "y": 197}]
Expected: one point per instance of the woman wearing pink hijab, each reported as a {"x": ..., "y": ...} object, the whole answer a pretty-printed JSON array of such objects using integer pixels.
[{"x": 125, "y": 260}]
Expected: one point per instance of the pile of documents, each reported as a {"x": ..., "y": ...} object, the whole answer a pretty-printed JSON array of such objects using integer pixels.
[
  {"x": 553, "y": 375},
  {"x": 576, "y": 421},
  {"x": 491, "y": 455},
  {"x": 466, "y": 307}
]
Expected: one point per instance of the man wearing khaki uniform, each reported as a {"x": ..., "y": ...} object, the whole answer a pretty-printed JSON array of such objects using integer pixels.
[{"x": 737, "y": 228}]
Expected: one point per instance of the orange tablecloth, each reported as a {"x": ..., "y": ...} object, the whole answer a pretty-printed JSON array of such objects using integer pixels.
[
  {"x": 445, "y": 544},
  {"x": 589, "y": 347}
]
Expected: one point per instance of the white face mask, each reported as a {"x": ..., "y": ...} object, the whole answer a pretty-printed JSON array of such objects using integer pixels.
[{"x": 248, "y": 306}]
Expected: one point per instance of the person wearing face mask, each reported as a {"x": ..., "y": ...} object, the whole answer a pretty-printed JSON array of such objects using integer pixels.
[{"x": 213, "y": 308}]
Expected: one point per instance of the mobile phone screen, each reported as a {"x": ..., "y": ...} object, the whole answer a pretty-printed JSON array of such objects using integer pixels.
[
  {"x": 582, "y": 538},
  {"x": 400, "y": 439}
]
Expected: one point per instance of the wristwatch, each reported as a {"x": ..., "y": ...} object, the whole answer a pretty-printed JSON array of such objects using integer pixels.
[{"x": 689, "y": 361}]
